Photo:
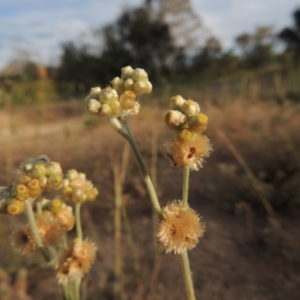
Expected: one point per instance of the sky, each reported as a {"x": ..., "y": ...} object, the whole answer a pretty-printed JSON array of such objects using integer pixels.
[{"x": 37, "y": 28}]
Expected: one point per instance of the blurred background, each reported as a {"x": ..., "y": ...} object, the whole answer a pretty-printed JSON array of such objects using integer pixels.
[{"x": 239, "y": 59}]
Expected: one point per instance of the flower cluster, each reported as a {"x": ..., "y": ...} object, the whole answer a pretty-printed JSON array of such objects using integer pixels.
[
  {"x": 77, "y": 260},
  {"x": 32, "y": 178},
  {"x": 180, "y": 228},
  {"x": 120, "y": 99},
  {"x": 190, "y": 146},
  {"x": 77, "y": 188}
]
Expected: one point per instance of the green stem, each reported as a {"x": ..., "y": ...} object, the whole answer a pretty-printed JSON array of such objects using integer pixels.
[
  {"x": 39, "y": 208},
  {"x": 78, "y": 220},
  {"x": 65, "y": 290},
  {"x": 34, "y": 229},
  {"x": 187, "y": 276},
  {"x": 185, "y": 186},
  {"x": 75, "y": 283},
  {"x": 143, "y": 170},
  {"x": 118, "y": 284}
]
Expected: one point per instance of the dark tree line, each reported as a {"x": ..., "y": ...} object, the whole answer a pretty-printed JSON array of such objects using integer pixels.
[
  {"x": 141, "y": 39},
  {"x": 291, "y": 37}
]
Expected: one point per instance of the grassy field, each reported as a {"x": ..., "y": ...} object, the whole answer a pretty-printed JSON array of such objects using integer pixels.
[{"x": 248, "y": 193}]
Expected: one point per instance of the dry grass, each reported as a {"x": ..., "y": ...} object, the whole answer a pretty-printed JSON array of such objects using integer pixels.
[{"x": 240, "y": 256}]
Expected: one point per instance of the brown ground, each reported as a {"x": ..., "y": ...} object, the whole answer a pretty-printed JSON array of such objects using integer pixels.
[{"x": 241, "y": 256}]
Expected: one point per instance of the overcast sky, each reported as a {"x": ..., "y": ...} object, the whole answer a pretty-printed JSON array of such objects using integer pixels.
[{"x": 40, "y": 26}]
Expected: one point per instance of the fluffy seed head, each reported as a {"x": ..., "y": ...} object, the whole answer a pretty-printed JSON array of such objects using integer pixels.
[
  {"x": 49, "y": 229},
  {"x": 189, "y": 152},
  {"x": 180, "y": 228},
  {"x": 22, "y": 240},
  {"x": 85, "y": 252},
  {"x": 76, "y": 260}
]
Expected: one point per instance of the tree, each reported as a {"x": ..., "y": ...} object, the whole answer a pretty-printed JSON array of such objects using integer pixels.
[
  {"x": 257, "y": 48},
  {"x": 77, "y": 68},
  {"x": 291, "y": 37},
  {"x": 207, "y": 58},
  {"x": 142, "y": 38},
  {"x": 243, "y": 41}
]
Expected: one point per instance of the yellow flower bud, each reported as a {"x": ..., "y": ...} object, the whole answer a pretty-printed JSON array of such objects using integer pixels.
[
  {"x": 55, "y": 182},
  {"x": 174, "y": 119},
  {"x": 126, "y": 72},
  {"x": 21, "y": 192},
  {"x": 38, "y": 170},
  {"x": 92, "y": 194},
  {"x": 79, "y": 196},
  {"x": 72, "y": 174},
  {"x": 65, "y": 217},
  {"x": 144, "y": 87},
  {"x": 115, "y": 107},
  {"x": 135, "y": 110},
  {"x": 185, "y": 134},
  {"x": 56, "y": 205},
  {"x": 67, "y": 192},
  {"x": 105, "y": 110},
  {"x": 95, "y": 92},
  {"x": 34, "y": 187},
  {"x": 28, "y": 167},
  {"x": 128, "y": 84},
  {"x": 93, "y": 106},
  {"x": 53, "y": 168},
  {"x": 139, "y": 75},
  {"x": 23, "y": 178},
  {"x": 43, "y": 182},
  {"x": 16, "y": 207},
  {"x": 82, "y": 176},
  {"x": 176, "y": 102},
  {"x": 118, "y": 85},
  {"x": 108, "y": 95},
  {"x": 198, "y": 123},
  {"x": 190, "y": 108},
  {"x": 127, "y": 100}
]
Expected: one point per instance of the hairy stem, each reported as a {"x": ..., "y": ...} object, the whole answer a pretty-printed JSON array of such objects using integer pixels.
[
  {"x": 76, "y": 288},
  {"x": 185, "y": 186},
  {"x": 118, "y": 284},
  {"x": 78, "y": 220},
  {"x": 66, "y": 292},
  {"x": 144, "y": 172},
  {"x": 34, "y": 229},
  {"x": 187, "y": 276}
]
